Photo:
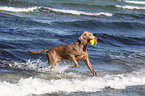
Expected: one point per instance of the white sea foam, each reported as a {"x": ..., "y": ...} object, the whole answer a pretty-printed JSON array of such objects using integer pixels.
[
  {"x": 129, "y": 7},
  {"x": 14, "y": 9},
  {"x": 75, "y": 12},
  {"x": 29, "y": 86},
  {"x": 135, "y": 2}
]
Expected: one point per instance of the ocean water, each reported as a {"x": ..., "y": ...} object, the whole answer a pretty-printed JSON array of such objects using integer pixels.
[{"x": 118, "y": 59}]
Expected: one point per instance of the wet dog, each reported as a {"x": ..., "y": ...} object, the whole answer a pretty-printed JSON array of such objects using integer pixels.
[{"x": 76, "y": 51}]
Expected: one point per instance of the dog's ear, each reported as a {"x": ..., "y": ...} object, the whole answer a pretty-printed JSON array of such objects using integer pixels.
[{"x": 83, "y": 36}]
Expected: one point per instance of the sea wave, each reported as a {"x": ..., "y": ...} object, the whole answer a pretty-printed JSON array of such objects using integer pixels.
[
  {"x": 95, "y": 24},
  {"x": 130, "y": 7},
  {"x": 113, "y": 40},
  {"x": 135, "y": 2},
  {"x": 14, "y": 9},
  {"x": 68, "y": 82},
  {"x": 75, "y": 12},
  {"x": 38, "y": 86}
]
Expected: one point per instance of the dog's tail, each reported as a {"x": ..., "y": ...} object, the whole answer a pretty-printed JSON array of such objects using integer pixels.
[{"x": 37, "y": 52}]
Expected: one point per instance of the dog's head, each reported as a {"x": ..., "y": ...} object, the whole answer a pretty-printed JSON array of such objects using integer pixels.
[{"x": 87, "y": 36}]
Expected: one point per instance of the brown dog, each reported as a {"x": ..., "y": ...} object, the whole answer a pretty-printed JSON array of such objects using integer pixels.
[{"x": 76, "y": 51}]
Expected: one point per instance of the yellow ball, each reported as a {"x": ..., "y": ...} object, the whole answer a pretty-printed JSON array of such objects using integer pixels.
[{"x": 93, "y": 42}]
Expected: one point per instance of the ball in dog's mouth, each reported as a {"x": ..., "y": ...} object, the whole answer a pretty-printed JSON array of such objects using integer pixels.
[{"x": 93, "y": 42}]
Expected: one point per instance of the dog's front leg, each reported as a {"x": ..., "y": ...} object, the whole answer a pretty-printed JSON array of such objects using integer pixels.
[
  {"x": 89, "y": 65},
  {"x": 72, "y": 57}
]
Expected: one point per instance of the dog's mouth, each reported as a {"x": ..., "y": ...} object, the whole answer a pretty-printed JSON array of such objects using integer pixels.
[{"x": 93, "y": 42}]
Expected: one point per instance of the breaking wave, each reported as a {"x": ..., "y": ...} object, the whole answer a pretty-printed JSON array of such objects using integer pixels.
[
  {"x": 135, "y": 2},
  {"x": 38, "y": 86},
  {"x": 130, "y": 7},
  {"x": 14, "y": 9},
  {"x": 73, "y": 12},
  {"x": 79, "y": 83}
]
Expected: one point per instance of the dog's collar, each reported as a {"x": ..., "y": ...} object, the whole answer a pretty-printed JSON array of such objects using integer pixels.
[{"x": 79, "y": 41}]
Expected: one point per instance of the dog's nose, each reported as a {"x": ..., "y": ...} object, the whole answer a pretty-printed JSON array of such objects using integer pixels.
[{"x": 94, "y": 37}]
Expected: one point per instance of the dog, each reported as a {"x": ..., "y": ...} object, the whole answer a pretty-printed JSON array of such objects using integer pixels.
[{"x": 75, "y": 52}]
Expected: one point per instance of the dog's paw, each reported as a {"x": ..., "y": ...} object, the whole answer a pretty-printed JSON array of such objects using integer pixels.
[
  {"x": 94, "y": 74},
  {"x": 73, "y": 66}
]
